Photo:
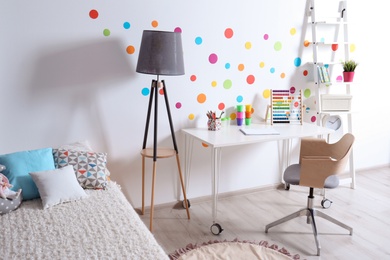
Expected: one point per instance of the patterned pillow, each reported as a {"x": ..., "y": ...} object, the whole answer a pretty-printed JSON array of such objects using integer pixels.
[{"x": 89, "y": 166}]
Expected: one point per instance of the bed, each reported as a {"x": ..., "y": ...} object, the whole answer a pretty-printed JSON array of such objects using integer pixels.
[{"x": 100, "y": 224}]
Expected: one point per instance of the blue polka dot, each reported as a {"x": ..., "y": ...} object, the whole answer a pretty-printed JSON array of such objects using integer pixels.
[
  {"x": 227, "y": 65},
  {"x": 145, "y": 91},
  {"x": 297, "y": 62},
  {"x": 198, "y": 40},
  {"x": 126, "y": 25},
  {"x": 272, "y": 70},
  {"x": 239, "y": 99}
]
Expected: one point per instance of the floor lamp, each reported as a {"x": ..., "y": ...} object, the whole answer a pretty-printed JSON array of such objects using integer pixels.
[{"x": 161, "y": 53}]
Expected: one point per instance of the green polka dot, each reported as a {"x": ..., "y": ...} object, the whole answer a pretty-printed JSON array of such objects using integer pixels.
[
  {"x": 106, "y": 32},
  {"x": 278, "y": 46},
  {"x": 307, "y": 93},
  {"x": 227, "y": 84}
]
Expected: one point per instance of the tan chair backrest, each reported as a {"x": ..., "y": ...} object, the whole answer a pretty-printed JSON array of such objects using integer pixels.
[{"x": 319, "y": 159}]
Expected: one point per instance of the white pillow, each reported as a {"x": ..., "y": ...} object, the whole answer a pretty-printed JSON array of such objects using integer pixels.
[
  {"x": 58, "y": 186},
  {"x": 77, "y": 146}
]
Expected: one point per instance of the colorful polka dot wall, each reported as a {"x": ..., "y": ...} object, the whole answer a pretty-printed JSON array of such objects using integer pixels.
[{"x": 262, "y": 75}]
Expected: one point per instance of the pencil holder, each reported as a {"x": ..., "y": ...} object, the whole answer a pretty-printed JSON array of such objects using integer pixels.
[{"x": 214, "y": 124}]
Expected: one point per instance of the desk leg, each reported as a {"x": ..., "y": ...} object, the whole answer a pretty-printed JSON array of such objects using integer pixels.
[
  {"x": 285, "y": 159},
  {"x": 215, "y": 228}
]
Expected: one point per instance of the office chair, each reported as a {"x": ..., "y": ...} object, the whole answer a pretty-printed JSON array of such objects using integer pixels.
[{"x": 319, "y": 163}]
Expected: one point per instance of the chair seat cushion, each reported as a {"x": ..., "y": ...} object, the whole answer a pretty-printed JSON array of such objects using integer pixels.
[{"x": 292, "y": 175}]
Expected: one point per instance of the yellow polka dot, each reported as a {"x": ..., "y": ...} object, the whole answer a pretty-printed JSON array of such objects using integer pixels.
[
  {"x": 352, "y": 47},
  {"x": 213, "y": 83},
  {"x": 262, "y": 64},
  {"x": 248, "y": 45},
  {"x": 191, "y": 116},
  {"x": 266, "y": 93}
]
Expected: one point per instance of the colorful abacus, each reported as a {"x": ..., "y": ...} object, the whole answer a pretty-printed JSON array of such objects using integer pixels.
[{"x": 286, "y": 107}]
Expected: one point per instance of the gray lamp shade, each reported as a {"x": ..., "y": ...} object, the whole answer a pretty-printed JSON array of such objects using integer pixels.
[{"x": 161, "y": 53}]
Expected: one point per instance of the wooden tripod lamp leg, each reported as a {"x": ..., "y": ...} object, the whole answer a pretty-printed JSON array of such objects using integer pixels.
[
  {"x": 152, "y": 200},
  {"x": 143, "y": 185},
  {"x": 182, "y": 186}
]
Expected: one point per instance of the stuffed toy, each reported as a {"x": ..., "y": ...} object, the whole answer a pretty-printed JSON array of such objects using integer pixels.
[{"x": 5, "y": 191}]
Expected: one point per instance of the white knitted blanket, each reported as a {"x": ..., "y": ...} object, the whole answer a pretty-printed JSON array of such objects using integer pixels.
[{"x": 102, "y": 226}]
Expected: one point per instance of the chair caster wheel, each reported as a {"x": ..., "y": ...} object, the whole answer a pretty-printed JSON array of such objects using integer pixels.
[
  {"x": 216, "y": 229},
  {"x": 287, "y": 186},
  {"x": 188, "y": 203},
  {"x": 325, "y": 203}
]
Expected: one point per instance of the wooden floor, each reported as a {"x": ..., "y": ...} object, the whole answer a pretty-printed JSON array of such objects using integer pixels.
[{"x": 366, "y": 209}]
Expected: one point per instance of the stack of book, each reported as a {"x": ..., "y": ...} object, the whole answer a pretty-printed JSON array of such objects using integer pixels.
[{"x": 323, "y": 74}]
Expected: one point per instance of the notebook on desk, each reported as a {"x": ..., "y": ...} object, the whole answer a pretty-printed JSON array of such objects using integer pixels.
[{"x": 259, "y": 131}]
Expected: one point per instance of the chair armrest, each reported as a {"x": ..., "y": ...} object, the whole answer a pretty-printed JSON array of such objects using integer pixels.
[{"x": 315, "y": 170}]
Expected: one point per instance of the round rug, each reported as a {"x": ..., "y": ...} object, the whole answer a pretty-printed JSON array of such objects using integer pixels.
[{"x": 224, "y": 250}]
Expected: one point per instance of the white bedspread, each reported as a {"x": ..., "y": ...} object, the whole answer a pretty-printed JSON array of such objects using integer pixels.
[{"x": 102, "y": 226}]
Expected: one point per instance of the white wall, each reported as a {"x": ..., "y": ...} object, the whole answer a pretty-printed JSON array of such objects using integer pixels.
[{"x": 62, "y": 80}]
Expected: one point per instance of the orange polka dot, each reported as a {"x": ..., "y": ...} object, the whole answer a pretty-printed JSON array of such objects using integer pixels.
[
  {"x": 130, "y": 49},
  {"x": 241, "y": 67},
  {"x": 154, "y": 23},
  {"x": 201, "y": 98}
]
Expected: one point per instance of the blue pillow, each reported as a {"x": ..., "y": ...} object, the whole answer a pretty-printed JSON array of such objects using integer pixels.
[{"x": 20, "y": 164}]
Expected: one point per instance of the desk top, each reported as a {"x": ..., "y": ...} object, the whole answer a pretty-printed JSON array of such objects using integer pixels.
[{"x": 231, "y": 135}]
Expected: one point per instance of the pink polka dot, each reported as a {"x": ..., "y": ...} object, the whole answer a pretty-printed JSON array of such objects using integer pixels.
[
  {"x": 178, "y": 105},
  {"x": 213, "y": 58},
  {"x": 313, "y": 119},
  {"x": 178, "y": 30},
  {"x": 292, "y": 90},
  {"x": 265, "y": 36}
]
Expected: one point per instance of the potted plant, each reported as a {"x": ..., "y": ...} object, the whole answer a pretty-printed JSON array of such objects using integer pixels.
[{"x": 349, "y": 67}]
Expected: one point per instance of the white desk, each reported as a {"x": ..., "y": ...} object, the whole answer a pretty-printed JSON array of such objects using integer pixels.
[{"x": 232, "y": 136}]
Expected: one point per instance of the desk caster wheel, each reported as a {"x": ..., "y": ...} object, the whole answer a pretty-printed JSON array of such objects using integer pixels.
[
  {"x": 325, "y": 203},
  {"x": 188, "y": 203},
  {"x": 216, "y": 229}
]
